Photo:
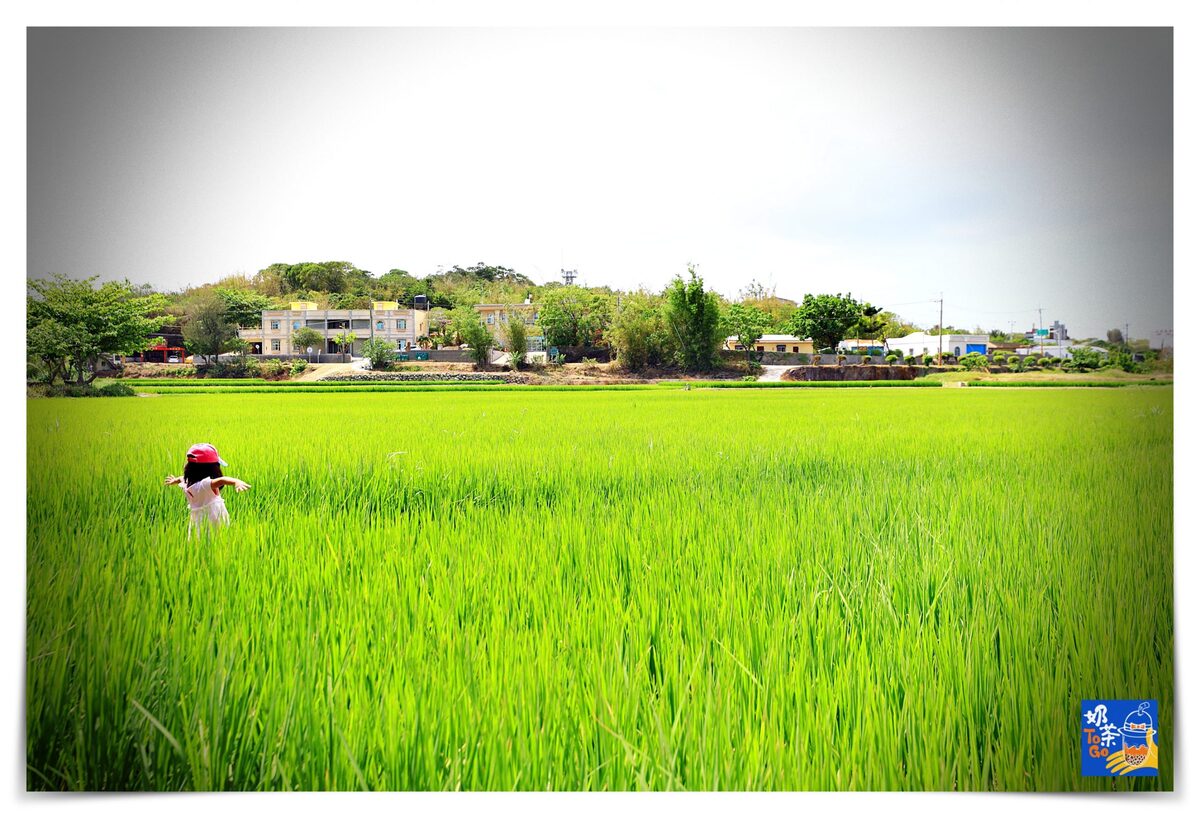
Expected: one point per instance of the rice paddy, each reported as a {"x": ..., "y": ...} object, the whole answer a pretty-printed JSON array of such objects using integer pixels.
[{"x": 809, "y": 589}]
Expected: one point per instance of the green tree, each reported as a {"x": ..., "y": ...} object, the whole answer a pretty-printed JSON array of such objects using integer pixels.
[
  {"x": 345, "y": 340},
  {"x": 51, "y": 344},
  {"x": 460, "y": 321},
  {"x": 1084, "y": 359},
  {"x": 638, "y": 332},
  {"x": 693, "y": 316},
  {"x": 349, "y": 301},
  {"x": 243, "y": 307},
  {"x": 85, "y": 323},
  {"x": 240, "y": 346},
  {"x": 873, "y": 324},
  {"x": 325, "y": 276},
  {"x": 379, "y": 352},
  {"x": 745, "y": 322},
  {"x": 826, "y": 318},
  {"x": 206, "y": 330},
  {"x": 516, "y": 338},
  {"x": 573, "y": 316},
  {"x": 756, "y": 294},
  {"x": 439, "y": 323},
  {"x": 400, "y": 285},
  {"x": 490, "y": 273},
  {"x": 475, "y": 335},
  {"x": 1116, "y": 337},
  {"x": 306, "y": 337}
]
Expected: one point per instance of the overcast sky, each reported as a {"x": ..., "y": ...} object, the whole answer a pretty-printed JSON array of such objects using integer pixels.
[{"x": 1007, "y": 168}]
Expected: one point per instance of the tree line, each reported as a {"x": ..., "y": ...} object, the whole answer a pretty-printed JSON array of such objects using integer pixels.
[{"x": 72, "y": 325}]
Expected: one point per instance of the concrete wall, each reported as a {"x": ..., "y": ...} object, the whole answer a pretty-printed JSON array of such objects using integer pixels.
[
  {"x": 853, "y": 373},
  {"x": 575, "y": 355},
  {"x": 445, "y": 356}
]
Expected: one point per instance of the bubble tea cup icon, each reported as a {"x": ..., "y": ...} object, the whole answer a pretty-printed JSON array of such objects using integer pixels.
[{"x": 1134, "y": 733}]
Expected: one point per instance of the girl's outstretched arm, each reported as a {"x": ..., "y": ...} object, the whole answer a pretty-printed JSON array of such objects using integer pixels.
[
  {"x": 238, "y": 485},
  {"x": 172, "y": 481}
]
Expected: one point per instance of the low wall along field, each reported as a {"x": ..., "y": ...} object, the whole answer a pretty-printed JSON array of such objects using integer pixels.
[
  {"x": 659, "y": 589},
  {"x": 853, "y": 373}
]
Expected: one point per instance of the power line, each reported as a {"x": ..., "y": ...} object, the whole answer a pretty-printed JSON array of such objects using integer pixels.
[
  {"x": 910, "y": 303},
  {"x": 995, "y": 312}
]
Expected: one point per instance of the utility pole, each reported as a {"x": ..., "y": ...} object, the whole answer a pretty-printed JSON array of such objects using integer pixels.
[
  {"x": 941, "y": 326},
  {"x": 1041, "y": 338},
  {"x": 1128, "y": 341}
]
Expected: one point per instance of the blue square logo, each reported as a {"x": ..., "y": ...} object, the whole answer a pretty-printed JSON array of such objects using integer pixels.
[{"x": 1119, "y": 737}]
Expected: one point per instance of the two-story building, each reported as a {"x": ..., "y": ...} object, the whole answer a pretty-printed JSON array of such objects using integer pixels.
[
  {"x": 496, "y": 317},
  {"x": 384, "y": 320}
]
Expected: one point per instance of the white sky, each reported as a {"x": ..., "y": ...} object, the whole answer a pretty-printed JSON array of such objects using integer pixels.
[{"x": 1006, "y": 168}]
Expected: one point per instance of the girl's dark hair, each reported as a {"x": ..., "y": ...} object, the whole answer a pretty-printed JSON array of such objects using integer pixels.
[{"x": 195, "y": 472}]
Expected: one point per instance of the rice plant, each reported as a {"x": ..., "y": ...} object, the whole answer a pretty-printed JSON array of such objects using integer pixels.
[{"x": 598, "y": 590}]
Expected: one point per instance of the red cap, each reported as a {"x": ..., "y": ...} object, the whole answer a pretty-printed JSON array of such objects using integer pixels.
[{"x": 204, "y": 453}]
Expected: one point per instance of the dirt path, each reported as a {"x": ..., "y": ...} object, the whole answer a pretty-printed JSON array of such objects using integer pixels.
[
  {"x": 316, "y": 372},
  {"x": 773, "y": 373}
]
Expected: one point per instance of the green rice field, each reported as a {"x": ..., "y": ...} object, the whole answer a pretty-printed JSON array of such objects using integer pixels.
[{"x": 706, "y": 589}]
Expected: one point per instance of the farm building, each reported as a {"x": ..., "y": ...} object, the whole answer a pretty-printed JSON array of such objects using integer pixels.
[
  {"x": 775, "y": 343},
  {"x": 1056, "y": 349},
  {"x": 921, "y": 343}
]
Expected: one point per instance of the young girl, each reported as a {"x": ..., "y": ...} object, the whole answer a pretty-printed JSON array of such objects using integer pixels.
[{"x": 202, "y": 482}]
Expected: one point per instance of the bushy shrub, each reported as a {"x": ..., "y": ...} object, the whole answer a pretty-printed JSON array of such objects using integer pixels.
[
  {"x": 298, "y": 366},
  {"x": 892, "y": 359},
  {"x": 239, "y": 367},
  {"x": 516, "y": 338},
  {"x": 116, "y": 389},
  {"x": 1084, "y": 359},
  {"x": 927, "y": 359},
  {"x": 639, "y": 334},
  {"x": 273, "y": 368},
  {"x": 1125, "y": 362},
  {"x": 974, "y": 360},
  {"x": 74, "y": 390},
  {"x": 1045, "y": 362},
  {"x": 379, "y": 353}
]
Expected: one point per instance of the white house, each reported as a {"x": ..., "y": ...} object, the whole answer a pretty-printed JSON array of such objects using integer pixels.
[
  {"x": 921, "y": 343},
  {"x": 1057, "y": 349}
]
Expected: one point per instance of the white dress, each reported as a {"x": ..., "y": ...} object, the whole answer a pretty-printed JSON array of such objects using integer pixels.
[{"x": 205, "y": 505}]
